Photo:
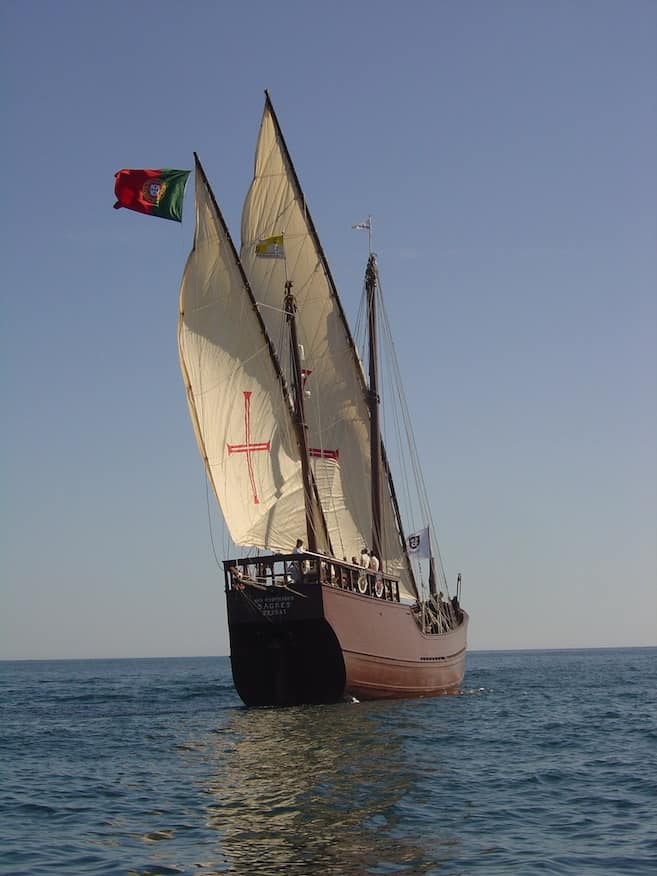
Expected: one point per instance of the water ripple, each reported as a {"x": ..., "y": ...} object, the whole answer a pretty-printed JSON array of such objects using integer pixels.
[{"x": 153, "y": 767}]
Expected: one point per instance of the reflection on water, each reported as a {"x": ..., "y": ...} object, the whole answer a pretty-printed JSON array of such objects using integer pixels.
[
  {"x": 314, "y": 790},
  {"x": 522, "y": 774}
]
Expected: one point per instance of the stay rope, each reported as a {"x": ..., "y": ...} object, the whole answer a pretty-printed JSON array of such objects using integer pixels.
[{"x": 207, "y": 502}]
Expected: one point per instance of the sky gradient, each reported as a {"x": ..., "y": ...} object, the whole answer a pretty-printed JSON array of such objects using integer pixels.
[{"x": 507, "y": 151}]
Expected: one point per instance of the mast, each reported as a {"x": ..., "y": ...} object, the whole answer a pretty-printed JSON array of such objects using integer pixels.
[
  {"x": 433, "y": 587},
  {"x": 290, "y": 306},
  {"x": 373, "y": 404}
]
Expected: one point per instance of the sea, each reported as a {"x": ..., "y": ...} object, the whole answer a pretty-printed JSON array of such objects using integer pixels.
[{"x": 546, "y": 763}]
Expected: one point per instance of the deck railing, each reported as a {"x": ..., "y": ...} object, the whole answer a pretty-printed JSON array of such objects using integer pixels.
[{"x": 286, "y": 570}]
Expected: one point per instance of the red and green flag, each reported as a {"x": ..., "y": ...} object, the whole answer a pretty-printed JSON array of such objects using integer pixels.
[{"x": 155, "y": 192}]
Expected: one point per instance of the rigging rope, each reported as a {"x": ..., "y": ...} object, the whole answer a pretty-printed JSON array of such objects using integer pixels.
[
  {"x": 207, "y": 502},
  {"x": 399, "y": 395}
]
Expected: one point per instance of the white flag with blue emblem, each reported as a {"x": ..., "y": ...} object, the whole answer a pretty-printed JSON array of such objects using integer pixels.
[{"x": 418, "y": 544}]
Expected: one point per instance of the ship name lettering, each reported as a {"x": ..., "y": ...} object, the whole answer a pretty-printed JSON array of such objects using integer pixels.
[{"x": 274, "y": 606}]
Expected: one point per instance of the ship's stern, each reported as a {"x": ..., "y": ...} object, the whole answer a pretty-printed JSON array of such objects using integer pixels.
[{"x": 283, "y": 651}]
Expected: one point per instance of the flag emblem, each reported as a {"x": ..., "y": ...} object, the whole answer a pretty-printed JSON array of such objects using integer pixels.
[
  {"x": 418, "y": 544},
  {"x": 153, "y": 190}
]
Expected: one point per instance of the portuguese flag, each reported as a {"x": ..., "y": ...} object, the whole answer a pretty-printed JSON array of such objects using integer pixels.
[{"x": 156, "y": 192}]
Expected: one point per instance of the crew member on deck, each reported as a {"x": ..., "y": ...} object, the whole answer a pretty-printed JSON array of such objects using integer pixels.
[
  {"x": 374, "y": 563},
  {"x": 364, "y": 558},
  {"x": 298, "y": 568}
]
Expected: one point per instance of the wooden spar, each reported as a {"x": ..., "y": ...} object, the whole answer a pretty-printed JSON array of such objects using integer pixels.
[
  {"x": 249, "y": 294},
  {"x": 315, "y": 237},
  {"x": 247, "y": 287},
  {"x": 345, "y": 324},
  {"x": 309, "y": 490},
  {"x": 433, "y": 587},
  {"x": 373, "y": 403}
]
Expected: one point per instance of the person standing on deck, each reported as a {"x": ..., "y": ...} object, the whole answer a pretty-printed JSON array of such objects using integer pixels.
[{"x": 297, "y": 569}]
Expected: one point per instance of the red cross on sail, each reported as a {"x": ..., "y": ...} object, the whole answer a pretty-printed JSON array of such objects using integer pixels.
[
  {"x": 248, "y": 447},
  {"x": 324, "y": 454}
]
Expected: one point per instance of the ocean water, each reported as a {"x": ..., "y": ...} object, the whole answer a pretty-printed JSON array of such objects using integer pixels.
[{"x": 546, "y": 763}]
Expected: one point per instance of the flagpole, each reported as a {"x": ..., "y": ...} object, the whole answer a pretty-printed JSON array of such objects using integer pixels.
[
  {"x": 366, "y": 226},
  {"x": 284, "y": 258}
]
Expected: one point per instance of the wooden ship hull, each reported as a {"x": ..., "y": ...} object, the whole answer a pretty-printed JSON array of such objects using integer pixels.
[{"x": 313, "y": 641}]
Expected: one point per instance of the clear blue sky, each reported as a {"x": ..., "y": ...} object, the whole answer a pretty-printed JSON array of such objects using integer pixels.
[{"x": 508, "y": 152}]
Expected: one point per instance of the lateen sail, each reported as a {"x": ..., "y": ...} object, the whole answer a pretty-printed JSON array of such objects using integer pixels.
[
  {"x": 238, "y": 404},
  {"x": 336, "y": 412}
]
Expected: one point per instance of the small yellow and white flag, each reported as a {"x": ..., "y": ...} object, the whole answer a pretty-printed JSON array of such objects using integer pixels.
[{"x": 271, "y": 248}]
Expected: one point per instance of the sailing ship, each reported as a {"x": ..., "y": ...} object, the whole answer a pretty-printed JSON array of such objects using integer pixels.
[{"x": 288, "y": 426}]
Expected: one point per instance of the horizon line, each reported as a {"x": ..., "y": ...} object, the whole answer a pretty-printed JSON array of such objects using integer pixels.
[{"x": 220, "y": 656}]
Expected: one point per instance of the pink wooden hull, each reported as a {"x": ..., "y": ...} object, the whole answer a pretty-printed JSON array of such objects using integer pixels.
[
  {"x": 385, "y": 653},
  {"x": 313, "y": 642}
]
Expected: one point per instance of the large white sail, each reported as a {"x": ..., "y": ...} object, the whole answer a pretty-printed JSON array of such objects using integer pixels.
[
  {"x": 240, "y": 410},
  {"x": 336, "y": 410}
]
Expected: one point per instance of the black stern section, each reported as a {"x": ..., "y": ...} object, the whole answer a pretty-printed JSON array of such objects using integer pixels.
[{"x": 283, "y": 651}]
